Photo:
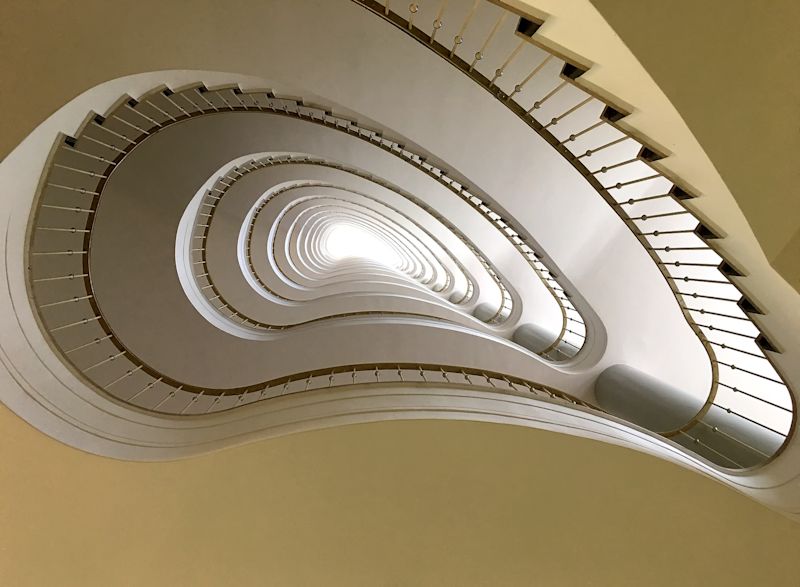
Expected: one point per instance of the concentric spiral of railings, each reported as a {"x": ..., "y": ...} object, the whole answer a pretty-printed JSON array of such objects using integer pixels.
[
  {"x": 78, "y": 172},
  {"x": 217, "y": 193},
  {"x": 60, "y": 277},
  {"x": 491, "y": 46},
  {"x": 204, "y": 277}
]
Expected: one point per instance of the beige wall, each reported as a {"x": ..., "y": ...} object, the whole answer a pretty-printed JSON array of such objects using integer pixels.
[{"x": 397, "y": 503}]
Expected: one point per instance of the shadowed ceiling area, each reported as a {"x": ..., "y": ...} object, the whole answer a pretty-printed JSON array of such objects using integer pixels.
[{"x": 422, "y": 503}]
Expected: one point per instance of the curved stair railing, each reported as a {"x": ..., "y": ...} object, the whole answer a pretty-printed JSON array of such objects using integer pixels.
[
  {"x": 584, "y": 129},
  {"x": 70, "y": 191},
  {"x": 581, "y": 127},
  {"x": 77, "y": 174}
]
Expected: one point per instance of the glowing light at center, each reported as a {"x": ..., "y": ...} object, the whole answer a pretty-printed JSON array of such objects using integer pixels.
[{"x": 348, "y": 241}]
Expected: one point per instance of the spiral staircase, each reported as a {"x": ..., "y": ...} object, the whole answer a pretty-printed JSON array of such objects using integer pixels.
[{"x": 462, "y": 229}]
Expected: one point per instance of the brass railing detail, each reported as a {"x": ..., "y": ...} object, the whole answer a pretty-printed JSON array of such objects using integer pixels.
[{"x": 679, "y": 242}]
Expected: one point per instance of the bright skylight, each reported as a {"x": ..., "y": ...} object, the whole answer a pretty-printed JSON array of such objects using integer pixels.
[{"x": 348, "y": 241}]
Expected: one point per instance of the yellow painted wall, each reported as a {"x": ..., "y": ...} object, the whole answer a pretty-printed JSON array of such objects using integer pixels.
[{"x": 396, "y": 503}]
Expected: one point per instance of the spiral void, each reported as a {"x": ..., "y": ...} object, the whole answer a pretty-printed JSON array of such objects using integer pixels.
[{"x": 210, "y": 257}]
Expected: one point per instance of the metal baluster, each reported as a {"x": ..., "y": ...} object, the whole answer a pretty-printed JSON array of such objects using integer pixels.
[
  {"x": 169, "y": 396},
  {"x": 88, "y": 344},
  {"x": 538, "y": 104},
  {"x": 482, "y": 51},
  {"x": 127, "y": 374},
  {"x": 560, "y": 117},
  {"x": 518, "y": 88},
  {"x": 459, "y": 38},
  {"x": 217, "y": 399},
  {"x": 145, "y": 388},
  {"x": 590, "y": 152},
  {"x": 192, "y": 401},
  {"x": 437, "y": 22},
  {"x": 413, "y": 8},
  {"x": 500, "y": 70}
]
